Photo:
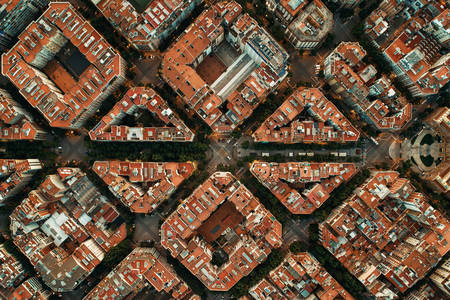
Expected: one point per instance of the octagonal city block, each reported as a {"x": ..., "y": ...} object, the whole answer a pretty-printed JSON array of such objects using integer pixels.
[{"x": 221, "y": 232}]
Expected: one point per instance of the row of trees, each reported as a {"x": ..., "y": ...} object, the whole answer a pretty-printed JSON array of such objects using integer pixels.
[
  {"x": 334, "y": 266},
  {"x": 264, "y": 110},
  {"x": 269, "y": 201},
  {"x": 105, "y": 107},
  {"x": 184, "y": 190},
  {"x": 181, "y": 28},
  {"x": 28, "y": 150},
  {"x": 340, "y": 194},
  {"x": 158, "y": 151},
  {"x": 101, "y": 24},
  {"x": 329, "y": 262},
  {"x": 193, "y": 282},
  {"x": 193, "y": 122},
  {"x": 274, "y": 259}
]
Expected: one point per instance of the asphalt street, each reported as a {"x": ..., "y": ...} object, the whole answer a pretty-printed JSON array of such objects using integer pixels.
[
  {"x": 294, "y": 152},
  {"x": 72, "y": 148}
]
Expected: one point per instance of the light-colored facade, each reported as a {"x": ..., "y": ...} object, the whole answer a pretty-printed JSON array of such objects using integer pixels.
[
  {"x": 311, "y": 27},
  {"x": 416, "y": 50},
  {"x": 15, "y": 15},
  {"x": 441, "y": 277}
]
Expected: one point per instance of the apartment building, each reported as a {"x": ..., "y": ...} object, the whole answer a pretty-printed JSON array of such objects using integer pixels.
[
  {"x": 15, "y": 122},
  {"x": 15, "y": 175},
  {"x": 386, "y": 234},
  {"x": 266, "y": 290},
  {"x": 141, "y": 268},
  {"x": 299, "y": 275},
  {"x": 15, "y": 15},
  {"x": 311, "y": 26},
  {"x": 328, "y": 124},
  {"x": 63, "y": 67},
  {"x": 318, "y": 179},
  {"x": 145, "y": 30},
  {"x": 441, "y": 277},
  {"x": 227, "y": 100},
  {"x": 285, "y": 10},
  {"x": 11, "y": 272},
  {"x": 135, "y": 100},
  {"x": 390, "y": 12},
  {"x": 439, "y": 122},
  {"x": 148, "y": 183},
  {"x": 224, "y": 212},
  {"x": 65, "y": 227},
  {"x": 426, "y": 291},
  {"x": 375, "y": 24},
  {"x": 30, "y": 289},
  {"x": 375, "y": 99},
  {"x": 417, "y": 49}
]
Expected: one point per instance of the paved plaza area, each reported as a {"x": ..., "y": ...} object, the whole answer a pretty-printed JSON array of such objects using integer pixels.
[{"x": 423, "y": 150}]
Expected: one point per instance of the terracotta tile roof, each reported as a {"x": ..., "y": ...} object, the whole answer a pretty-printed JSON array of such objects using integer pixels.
[
  {"x": 356, "y": 81},
  {"x": 16, "y": 173},
  {"x": 248, "y": 242},
  {"x": 109, "y": 128},
  {"x": 282, "y": 125},
  {"x": 311, "y": 26},
  {"x": 15, "y": 123},
  {"x": 415, "y": 50},
  {"x": 145, "y": 29},
  {"x": 23, "y": 64},
  {"x": 375, "y": 24},
  {"x": 163, "y": 177},
  {"x": 299, "y": 275},
  {"x": 11, "y": 270},
  {"x": 265, "y": 290},
  {"x": 278, "y": 177},
  {"x": 28, "y": 290},
  {"x": 65, "y": 227},
  {"x": 178, "y": 66},
  {"x": 140, "y": 267},
  {"x": 386, "y": 223}
]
